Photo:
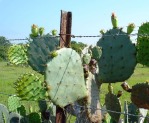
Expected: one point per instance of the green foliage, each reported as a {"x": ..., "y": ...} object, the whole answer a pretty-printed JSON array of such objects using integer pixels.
[
  {"x": 77, "y": 46},
  {"x": 4, "y": 45},
  {"x": 143, "y": 44}
]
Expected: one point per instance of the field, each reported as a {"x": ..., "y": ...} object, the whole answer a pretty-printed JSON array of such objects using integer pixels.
[{"x": 9, "y": 74}]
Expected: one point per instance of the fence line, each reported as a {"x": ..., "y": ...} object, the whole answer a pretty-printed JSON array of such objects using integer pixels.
[
  {"x": 86, "y": 36},
  {"x": 83, "y": 108}
]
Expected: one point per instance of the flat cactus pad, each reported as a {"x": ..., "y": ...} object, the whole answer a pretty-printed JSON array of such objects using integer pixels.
[{"x": 65, "y": 78}]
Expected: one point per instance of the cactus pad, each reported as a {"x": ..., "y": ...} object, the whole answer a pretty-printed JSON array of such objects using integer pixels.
[
  {"x": 118, "y": 58},
  {"x": 143, "y": 44},
  {"x": 113, "y": 104},
  {"x": 65, "y": 78},
  {"x": 86, "y": 58},
  {"x": 13, "y": 103},
  {"x": 96, "y": 52},
  {"x": 29, "y": 87},
  {"x": 140, "y": 95},
  {"x": 39, "y": 51},
  {"x": 4, "y": 114},
  {"x": 17, "y": 54}
]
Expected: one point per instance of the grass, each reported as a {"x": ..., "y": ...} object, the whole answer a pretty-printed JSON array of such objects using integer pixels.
[{"x": 9, "y": 74}]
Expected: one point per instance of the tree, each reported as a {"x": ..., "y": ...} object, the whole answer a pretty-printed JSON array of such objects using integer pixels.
[
  {"x": 4, "y": 45},
  {"x": 78, "y": 47}
]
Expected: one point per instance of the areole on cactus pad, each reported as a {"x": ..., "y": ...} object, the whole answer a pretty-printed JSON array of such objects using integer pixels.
[{"x": 65, "y": 78}]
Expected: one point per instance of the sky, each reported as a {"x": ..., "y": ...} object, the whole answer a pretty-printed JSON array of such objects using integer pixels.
[{"x": 88, "y": 16}]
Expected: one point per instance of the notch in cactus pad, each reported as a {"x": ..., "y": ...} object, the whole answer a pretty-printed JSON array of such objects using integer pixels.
[{"x": 65, "y": 78}]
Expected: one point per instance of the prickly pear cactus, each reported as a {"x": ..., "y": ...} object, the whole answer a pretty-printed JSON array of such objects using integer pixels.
[
  {"x": 13, "y": 103},
  {"x": 112, "y": 103},
  {"x": 140, "y": 95},
  {"x": 17, "y": 54},
  {"x": 143, "y": 44},
  {"x": 93, "y": 102},
  {"x": 118, "y": 58},
  {"x": 39, "y": 51},
  {"x": 29, "y": 87},
  {"x": 96, "y": 52},
  {"x": 86, "y": 58},
  {"x": 4, "y": 114},
  {"x": 65, "y": 78}
]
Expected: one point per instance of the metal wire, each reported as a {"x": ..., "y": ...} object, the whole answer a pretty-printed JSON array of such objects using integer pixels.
[{"x": 84, "y": 108}]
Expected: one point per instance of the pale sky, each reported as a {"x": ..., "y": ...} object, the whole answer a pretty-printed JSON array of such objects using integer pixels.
[{"x": 88, "y": 16}]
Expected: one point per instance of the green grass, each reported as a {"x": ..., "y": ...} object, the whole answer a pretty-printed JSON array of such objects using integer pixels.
[{"x": 9, "y": 74}]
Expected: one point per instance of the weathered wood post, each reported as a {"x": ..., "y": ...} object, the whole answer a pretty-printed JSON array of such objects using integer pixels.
[{"x": 65, "y": 39}]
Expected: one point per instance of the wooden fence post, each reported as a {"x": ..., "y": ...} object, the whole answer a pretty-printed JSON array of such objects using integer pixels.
[
  {"x": 65, "y": 39},
  {"x": 65, "y": 29}
]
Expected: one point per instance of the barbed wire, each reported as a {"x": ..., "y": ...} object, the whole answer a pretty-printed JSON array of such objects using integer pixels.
[
  {"x": 84, "y": 108},
  {"x": 86, "y": 36}
]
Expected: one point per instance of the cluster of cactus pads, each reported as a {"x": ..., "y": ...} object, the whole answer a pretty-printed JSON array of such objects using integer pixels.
[{"x": 70, "y": 78}]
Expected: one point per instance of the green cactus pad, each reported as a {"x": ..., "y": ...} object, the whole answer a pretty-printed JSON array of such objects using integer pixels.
[
  {"x": 17, "y": 54},
  {"x": 39, "y": 51},
  {"x": 118, "y": 59},
  {"x": 65, "y": 78},
  {"x": 140, "y": 95},
  {"x": 96, "y": 52},
  {"x": 93, "y": 101},
  {"x": 13, "y": 103},
  {"x": 4, "y": 114},
  {"x": 113, "y": 104},
  {"x": 21, "y": 110},
  {"x": 29, "y": 87},
  {"x": 86, "y": 58},
  {"x": 143, "y": 44}
]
